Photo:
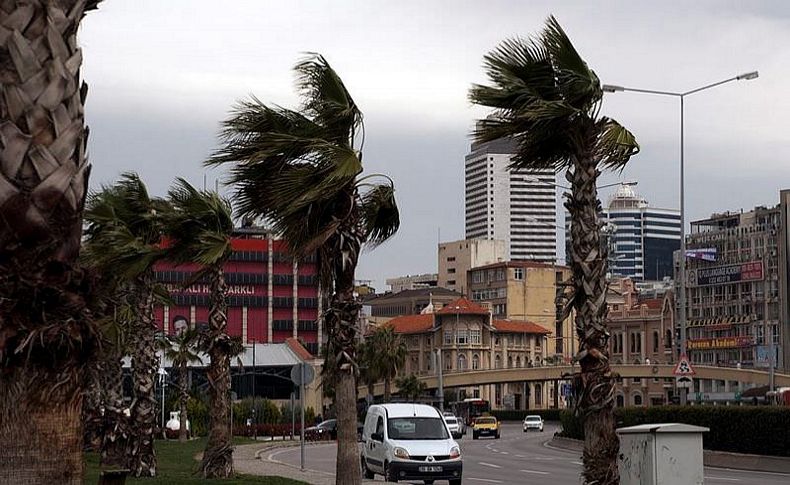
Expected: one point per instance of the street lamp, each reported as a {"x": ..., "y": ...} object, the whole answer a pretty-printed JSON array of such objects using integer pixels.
[
  {"x": 162, "y": 383},
  {"x": 532, "y": 179},
  {"x": 609, "y": 88}
]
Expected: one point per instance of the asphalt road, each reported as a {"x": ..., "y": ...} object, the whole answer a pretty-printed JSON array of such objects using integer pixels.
[{"x": 519, "y": 457}]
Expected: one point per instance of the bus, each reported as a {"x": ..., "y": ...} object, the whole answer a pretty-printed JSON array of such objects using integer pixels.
[{"x": 468, "y": 409}]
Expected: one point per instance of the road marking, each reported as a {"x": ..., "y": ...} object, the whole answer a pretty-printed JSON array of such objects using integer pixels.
[
  {"x": 520, "y": 456},
  {"x": 495, "y": 451},
  {"x": 545, "y": 458},
  {"x": 708, "y": 477},
  {"x": 505, "y": 453},
  {"x": 488, "y": 464},
  {"x": 577, "y": 463},
  {"x": 535, "y": 471},
  {"x": 484, "y": 480}
]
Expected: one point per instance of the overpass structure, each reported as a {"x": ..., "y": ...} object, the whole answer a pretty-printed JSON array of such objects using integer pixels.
[{"x": 753, "y": 377}]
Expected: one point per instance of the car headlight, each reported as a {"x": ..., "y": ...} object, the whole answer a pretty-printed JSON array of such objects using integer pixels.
[
  {"x": 401, "y": 453},
  {"x": 455, "y": 452}
]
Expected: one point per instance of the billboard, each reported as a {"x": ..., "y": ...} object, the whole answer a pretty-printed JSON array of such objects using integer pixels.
[
  {"x": 731, "y": 273},
  {"x": 720, "y": 343}
]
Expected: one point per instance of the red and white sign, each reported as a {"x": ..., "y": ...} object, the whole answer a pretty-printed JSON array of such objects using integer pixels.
[{"x": 683, "y": 367}]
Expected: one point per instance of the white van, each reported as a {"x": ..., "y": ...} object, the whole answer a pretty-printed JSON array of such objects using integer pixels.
[{"x": 409, "y": 442}]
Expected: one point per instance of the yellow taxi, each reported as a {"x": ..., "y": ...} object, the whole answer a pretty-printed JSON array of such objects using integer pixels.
[{"x": 485, "y": 426}]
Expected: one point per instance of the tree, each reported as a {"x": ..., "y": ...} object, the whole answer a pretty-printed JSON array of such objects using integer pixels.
[
  {"x": 124, "y": 234},
  {"x": 387, "y": 354},
  {"x": 199, "y": 229},
  {"x": 180, "y": 350},
  {"x": 410, "y": 387},
  {"x": 301, "y": 172},
  {"x": 46, "y": 335},
  {"x": 368, "y": 373},
  {"x": 547, "y": 102}
]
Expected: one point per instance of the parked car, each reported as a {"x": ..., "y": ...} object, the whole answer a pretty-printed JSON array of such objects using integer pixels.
[
  {"x": 485, "y": 426},
  {"x": 329, "y": 427},
  {"x": 454, "y": 425},
  {"x": 533, "y": 422},
  {"x": 409, "y": 442}
]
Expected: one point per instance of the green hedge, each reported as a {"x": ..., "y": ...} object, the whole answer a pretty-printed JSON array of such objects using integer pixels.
[
  {"x": 760, "y": 430},
  {"x": 515, "y": 415}
]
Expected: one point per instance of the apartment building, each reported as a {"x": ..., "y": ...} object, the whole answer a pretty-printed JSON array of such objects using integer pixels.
[{"x": 457, "y": 257}]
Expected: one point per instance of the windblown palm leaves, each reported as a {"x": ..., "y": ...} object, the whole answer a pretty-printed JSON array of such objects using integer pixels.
[
  {"x": 546, "y": 100},
  {"x": 124, "y": 232},
  {"x": 199, "y": 229},
  {"x": 301, "y": 172}
]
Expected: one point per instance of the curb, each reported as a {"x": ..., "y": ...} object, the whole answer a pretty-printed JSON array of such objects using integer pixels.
[{"x": 714, "y": 459}]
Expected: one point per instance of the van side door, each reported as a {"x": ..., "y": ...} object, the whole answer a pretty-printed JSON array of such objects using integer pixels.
[{"x": 374, "y": 447}]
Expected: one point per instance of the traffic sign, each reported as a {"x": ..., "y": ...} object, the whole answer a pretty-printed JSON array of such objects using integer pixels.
[
  {"x": 296, "y": 374},
  {"x": 684, "y": 381},
  {"x": 683, "y": 367}
]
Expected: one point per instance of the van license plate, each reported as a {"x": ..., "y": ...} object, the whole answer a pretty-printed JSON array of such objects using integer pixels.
[{"x": 430, "y": 469}]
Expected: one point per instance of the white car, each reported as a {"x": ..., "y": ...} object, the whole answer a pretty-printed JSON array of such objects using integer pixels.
[
  {"x": 454, "y": 425},
  {"x": 409, "y": 442},
  {"x": 533, "y": 422}
]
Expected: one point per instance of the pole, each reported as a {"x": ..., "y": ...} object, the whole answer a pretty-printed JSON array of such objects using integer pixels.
[
  {"x": 440, "y": 393},
  {"x": 293, "y": 414},
  {"x": 682, "y": 267},
  {"x": 771, "y": 364},
  {"x": 301, "y": 405},
  {"x": 163, "y": 401},
  {"x": 254, "y": 418}
]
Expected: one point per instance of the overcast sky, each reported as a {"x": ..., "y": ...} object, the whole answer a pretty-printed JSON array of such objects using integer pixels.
[{"x": 164, "y": 73}]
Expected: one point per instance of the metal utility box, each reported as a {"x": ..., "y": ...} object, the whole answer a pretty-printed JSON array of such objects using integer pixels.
[{"x": 661, "y": 454}]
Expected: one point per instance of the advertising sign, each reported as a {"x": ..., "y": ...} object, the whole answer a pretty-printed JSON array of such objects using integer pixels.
[
  {"x": 202, "y": 289},
  {"x": 731, "y": 273},
  {"x": 705, "y": 254},
  {"x": 720, "y": 343}
]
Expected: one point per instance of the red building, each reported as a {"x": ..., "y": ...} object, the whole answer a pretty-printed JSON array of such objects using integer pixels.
[{"x": 270, "y": 297}]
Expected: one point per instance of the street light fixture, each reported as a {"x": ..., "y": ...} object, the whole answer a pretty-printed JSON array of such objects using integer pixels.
[{"x": 611, "y": 88}]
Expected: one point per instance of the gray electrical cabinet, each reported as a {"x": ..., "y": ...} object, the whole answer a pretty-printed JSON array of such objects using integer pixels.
[{"x": 661, "y": 454}]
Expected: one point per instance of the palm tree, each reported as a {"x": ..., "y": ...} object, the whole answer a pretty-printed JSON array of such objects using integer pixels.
[
  {"x": 547, "y": 101},
  {"x": 199, "y": 230},
  {"x": 410, "y": 387},
  {"x": 125, "y": 228},
  {"x": 367, "y": 370},
  {"x": 301, "y": 171},
  {"x": 46, "y": 334},
  {"x": 388, "y": 354},
  {"x": 180, "y": 350}
]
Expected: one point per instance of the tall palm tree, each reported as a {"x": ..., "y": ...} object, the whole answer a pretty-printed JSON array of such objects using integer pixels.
[
  {"x": 181, "y": 350},
  {"x": 388, "y": 354},
  {"x": 124, "y": 233},
  {"x": 547, "y": 101},
  {"x": 46, "y": 338},
  {"x": 199, "y": 230},
  {"x": 301, "y": 172},
  {"x": 368, "y": 373}
]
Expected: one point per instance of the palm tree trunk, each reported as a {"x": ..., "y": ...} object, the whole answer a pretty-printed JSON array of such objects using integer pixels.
[
  {"x": 341, "y": 323},
  {"x": 43, "y": 181},
  {"x": 387, "y": 389},
  {"x": 182, "y": 401},
  {"x": 595, "y": 383},
  {"x": 142, "y": 458},
  {"x": 115, "y": 429},
  {"x": 218, "y": 457}
]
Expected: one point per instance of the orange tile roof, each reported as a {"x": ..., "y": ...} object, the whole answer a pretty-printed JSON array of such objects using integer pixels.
[
  {"x": 411, "y": 323},
  {"x": 462, "y": 306},
  {"x": 298, "y": 349},
  {"x": 519, "y": 326}
]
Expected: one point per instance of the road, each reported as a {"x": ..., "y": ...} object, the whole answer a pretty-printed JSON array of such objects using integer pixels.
[{"x": 519, "y": 457}]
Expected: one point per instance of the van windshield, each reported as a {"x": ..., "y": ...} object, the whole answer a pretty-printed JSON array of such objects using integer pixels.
[{"x": 416, "y": 429}]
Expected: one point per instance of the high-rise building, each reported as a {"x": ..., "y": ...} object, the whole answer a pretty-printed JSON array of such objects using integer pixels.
[
  {"x": 737, "y": 307},
  {"x": 644, "y": 238},
  {"x": 458, "y": 257},
  {"x": 270, "y": 297},
  {"x": 516, "y": 206}
]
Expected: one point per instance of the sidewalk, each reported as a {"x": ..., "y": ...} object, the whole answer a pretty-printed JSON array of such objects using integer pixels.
[{"x": 255, "y": 459}]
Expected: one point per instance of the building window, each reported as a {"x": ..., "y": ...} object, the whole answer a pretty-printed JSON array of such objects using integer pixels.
[
  {"x": 448, "y": 337},
  {"x": 475, "y": 362},
  {"x": 518, "y": 361},
  {"x": 538, "y": 395},
  {"x": 462, "y": 337},
  {"x": 478, "y": 276},
  {"x": 450, "y": 259},
  {"x": 637, "y": 400},
  {"x": 451, "y": 270},
  {"x": 461, "y": 362},
  {"x": 450, "y": 282},
  {"x": 497, "y": 362},
  {"x": 510, "y": 362},
  {"x": 518, "y": 273},
  {"x": 475, "y": 336},
  {"x": 655, "y": 342},
  {"x": 668, "y": 339}
]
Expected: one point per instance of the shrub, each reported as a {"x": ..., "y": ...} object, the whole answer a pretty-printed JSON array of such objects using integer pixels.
[{"x": 759, "y": 430}]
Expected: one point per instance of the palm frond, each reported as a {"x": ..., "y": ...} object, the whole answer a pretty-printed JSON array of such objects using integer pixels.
[
  {"x": 380, "y": 216},
  {"x": 327, "y": 100},
  {"x": 616, "y": 145}
]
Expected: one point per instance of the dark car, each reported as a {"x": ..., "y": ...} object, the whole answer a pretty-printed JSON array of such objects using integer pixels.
[{"x": 329, "y": 427}]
